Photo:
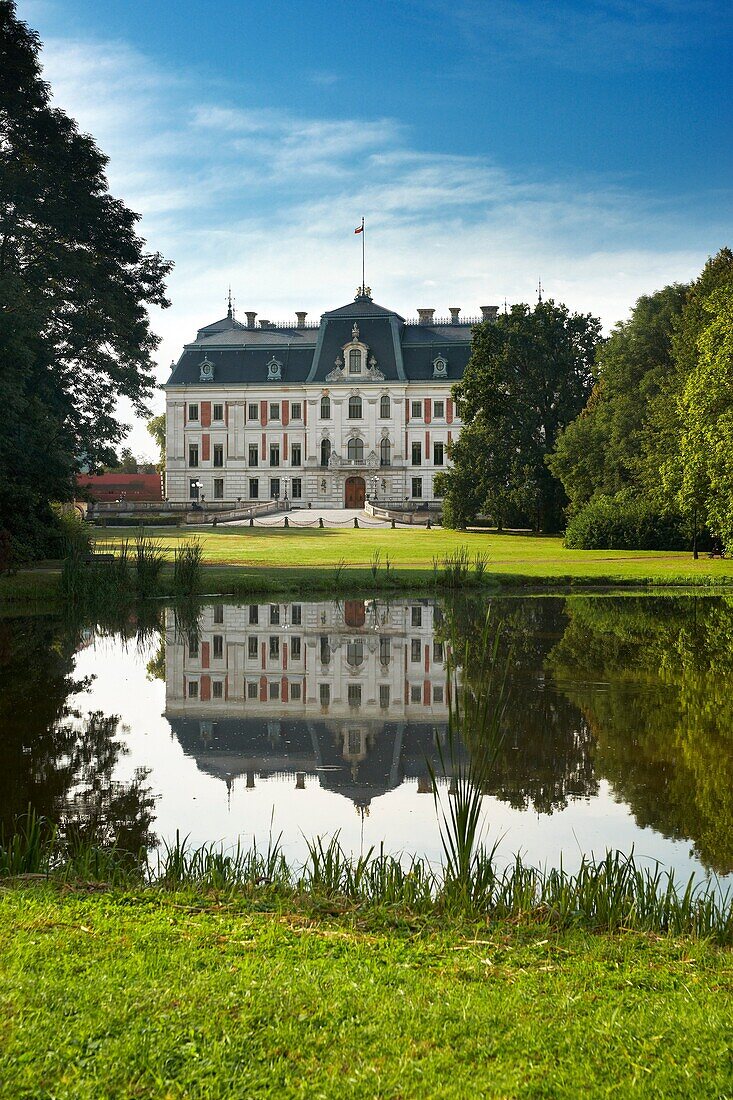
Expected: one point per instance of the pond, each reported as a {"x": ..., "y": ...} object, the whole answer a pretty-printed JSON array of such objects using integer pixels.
[{"x": 234, "y": 722}]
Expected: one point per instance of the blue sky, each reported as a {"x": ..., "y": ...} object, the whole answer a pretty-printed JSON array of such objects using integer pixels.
[{"x": 487, "y": 145}]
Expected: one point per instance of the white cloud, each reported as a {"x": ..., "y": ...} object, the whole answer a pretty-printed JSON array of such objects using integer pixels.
[{"x": 267, "y": 200}]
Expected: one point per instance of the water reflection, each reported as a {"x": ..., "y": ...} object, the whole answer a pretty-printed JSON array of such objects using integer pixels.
[
  {"x": 355, "y": 693},
  {"x": 327, "y": 705}
]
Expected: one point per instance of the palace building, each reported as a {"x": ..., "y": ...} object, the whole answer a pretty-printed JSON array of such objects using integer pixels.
[{"x": 326, "y": 413}]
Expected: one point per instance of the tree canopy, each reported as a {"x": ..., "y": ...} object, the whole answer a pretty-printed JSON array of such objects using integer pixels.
[
  {"x": 529, "y": 375},
  {"x": 75, "y": 287}
]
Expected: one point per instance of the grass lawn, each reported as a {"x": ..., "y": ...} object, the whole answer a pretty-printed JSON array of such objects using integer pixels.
[
  {"x": 243, "y": 559},
  {"x": 113, "y": 995}
]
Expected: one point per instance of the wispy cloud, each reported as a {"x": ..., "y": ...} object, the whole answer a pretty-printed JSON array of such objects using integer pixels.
[{"x": 597, "y": 34}]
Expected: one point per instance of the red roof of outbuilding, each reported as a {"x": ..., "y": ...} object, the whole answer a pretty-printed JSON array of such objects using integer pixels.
[{"x": 112, "y": 487}]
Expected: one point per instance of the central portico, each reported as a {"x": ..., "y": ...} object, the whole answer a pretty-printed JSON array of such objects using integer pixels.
[{"x": 329, "y": 413}]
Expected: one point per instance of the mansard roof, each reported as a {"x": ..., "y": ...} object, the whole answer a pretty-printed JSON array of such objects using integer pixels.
[{"x": 404, "y": 351}]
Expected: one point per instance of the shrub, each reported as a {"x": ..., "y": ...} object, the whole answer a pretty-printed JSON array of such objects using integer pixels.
[{"x": 617, "y": 523}]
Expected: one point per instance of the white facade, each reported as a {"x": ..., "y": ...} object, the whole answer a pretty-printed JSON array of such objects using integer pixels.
[{"x": 325, "y": 414}]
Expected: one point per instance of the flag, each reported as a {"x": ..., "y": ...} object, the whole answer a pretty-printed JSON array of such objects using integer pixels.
[{"x": 359, "y": 228}]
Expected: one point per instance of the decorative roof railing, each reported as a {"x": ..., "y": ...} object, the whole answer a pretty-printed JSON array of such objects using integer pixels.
[{"x": 440, "y": 322}]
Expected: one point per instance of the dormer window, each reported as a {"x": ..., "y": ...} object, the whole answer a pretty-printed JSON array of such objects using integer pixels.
[{"x": 355, "y": 361}]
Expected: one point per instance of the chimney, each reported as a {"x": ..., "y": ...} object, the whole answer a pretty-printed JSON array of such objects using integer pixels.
[
  {"x": 301, "y": 314},
  {"x": 264, "y": 323},
  {"x": 251, "y": 318},
  {"x": 454, "y": 311},
  {"x": 425, "y": 316},
  {"x": 488, "y": 313}
]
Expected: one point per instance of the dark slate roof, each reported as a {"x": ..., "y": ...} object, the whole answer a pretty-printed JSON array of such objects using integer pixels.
[{"x": 403, "y": 351}]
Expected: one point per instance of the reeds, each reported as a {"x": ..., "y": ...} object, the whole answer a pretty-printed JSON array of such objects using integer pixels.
[
  {"x": 610, "y": 894},
  {"x": 187, "y": 567},
  {"x": 149, "y": 562}
]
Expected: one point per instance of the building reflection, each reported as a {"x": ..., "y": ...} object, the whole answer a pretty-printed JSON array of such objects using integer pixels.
[{"x": 352, "y": 695}]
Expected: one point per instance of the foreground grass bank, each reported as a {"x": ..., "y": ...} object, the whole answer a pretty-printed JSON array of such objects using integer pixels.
[
  {"x": 243, "y": 560},
  {"x": 149, "y": 994}
]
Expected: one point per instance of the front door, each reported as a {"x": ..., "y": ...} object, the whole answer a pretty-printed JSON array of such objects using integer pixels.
[{"x": 355, "y": 492}]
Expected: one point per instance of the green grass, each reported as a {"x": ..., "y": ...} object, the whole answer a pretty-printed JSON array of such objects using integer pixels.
[
  {"x": 243, "y": 560},
  {"x": 107, "y": 995}
]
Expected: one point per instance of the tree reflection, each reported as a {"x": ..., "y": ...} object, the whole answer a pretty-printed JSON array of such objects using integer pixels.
[
  {"x": 546, "y": 758},
  {"x": 53, "y": 760},
  {"x": 652, "y": 675}
]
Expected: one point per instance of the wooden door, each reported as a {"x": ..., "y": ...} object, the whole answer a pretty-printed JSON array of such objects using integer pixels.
[{"x": 355, "y": 492}]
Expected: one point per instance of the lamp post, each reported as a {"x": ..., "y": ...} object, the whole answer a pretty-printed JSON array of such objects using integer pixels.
[
  {"x": 376, "y": 487},
  {"x": 285, "y": 498}
]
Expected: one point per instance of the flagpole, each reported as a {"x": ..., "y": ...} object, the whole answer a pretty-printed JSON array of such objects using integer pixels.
[{"x": 363, "y": 252}]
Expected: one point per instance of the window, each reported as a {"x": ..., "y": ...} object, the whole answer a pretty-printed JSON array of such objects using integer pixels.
[
  {"x": 354, "y": 696},
  {"x": 274, "y": 648},
  {"x": 295, "y": 454},
  {"x": 438, "y": 410},
  {"x": 254, "y": 488},
  {"x": 416, "y": 616},
  {"x": 193, "y": 646},
  {"x": 252, "y": 646},
  {"x": 415, "y": 695},
  {"x": 218, "y": 454},
  {"x": 218, "y": 488},
  {"x": 417, "y": 487},
  {"x": 325, "y": 408},
  {"x": 385, "y": 407},
  {"x": 296, "y": 614},
  {"x": 274, "y": 454},
  {"x": 193, "y": 690},
  {"x": 355, "y": 450},
  {"x": 385, "y": 650},
  {"x": 296, "y": 412},
  {"x": 252, "y": 689},
  {"x": 325, "y": 650},
  {"x": 384, "y": 696},
  {"x": 295, "y": 648},
  {"x": 274, "y": 689},
  {"x": 354, "y": 408},
  {"x": 325, "y": 451},
  {"x": 274, "y": 614},
  {"x": 218, "y": 412},
  {"x": 218, "y": 612},
  {"x": 417, "y": 454},
  {"x": 254, "y": 454},
  {"x": 437, "y": 651},
  {"x": 324, "y": 692},
  {"x": 274, "y": 410},
  {"x": 294, "y": 693},
  {"x": 193, "y": 454},
  {"x": 385, "y": 453},
  {"x": 438, "y": 454},
  {"x": 438, "y": 693},
  {"x": 416, "y": 410},
  {"x": 217, "y": 689},
  {"x": 253, "y": 412},
  {"x": 415, "y": 649},
  {"x": 355, "y": 652},
  {"x": 275, "y": 488},
  {"x": 355, "y": 361},
  {"x": 297, "y": 488},
  {"x": 193, "y": 488},
  {"x": 254, "y": 614},
  {"x": 193, "y": 412},
  {"x": 218, "y": 641}
]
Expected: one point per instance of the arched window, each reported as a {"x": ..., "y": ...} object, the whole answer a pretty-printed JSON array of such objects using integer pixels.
[
  {"x": 355, "y": 652},
  {"x": 355, "y": 361},
  {"x": 354, "y": 408},
  {"x": 325, "y": 408},
  {"x": 385, "y": 409},
  {"x": 355, "y": 450},
  {"x": 325, "y": 451},
  {"x": 385, "y": 453}
]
